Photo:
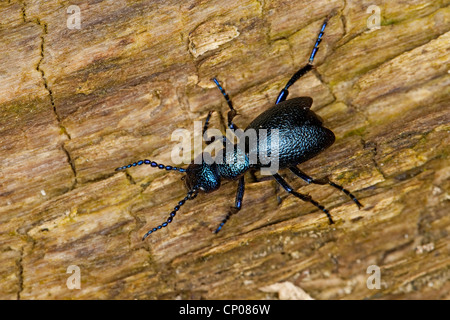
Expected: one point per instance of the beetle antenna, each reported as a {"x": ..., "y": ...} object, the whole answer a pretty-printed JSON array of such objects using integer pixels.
[
  {"x": 190, "y": 196},
  {"x": 151, "y": 163}
]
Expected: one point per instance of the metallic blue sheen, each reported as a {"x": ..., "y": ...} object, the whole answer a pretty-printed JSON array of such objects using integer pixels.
[{"x": 301, "y": 136}]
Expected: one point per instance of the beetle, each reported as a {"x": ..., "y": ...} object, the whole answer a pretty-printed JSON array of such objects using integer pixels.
[{"x": 301, "y": 137}]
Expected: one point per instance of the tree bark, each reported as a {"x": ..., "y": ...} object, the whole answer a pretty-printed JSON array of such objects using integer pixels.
[{"x": 75, "y": 103}]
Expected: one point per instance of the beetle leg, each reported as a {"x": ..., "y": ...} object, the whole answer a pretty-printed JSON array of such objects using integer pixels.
[
  {"x": 259, "y": 179},
  {"x": 303, "y": 197},
  {"x": 237, "y": 204},
  {"x": 232, "y": 113},
  {"x": 300, "y": 73},
  {"x": 285, "y": 92},
  {"x": 319, "y": 39},
  {"x": 323, "y": 181},
  {"x": 205, "y": 127}
]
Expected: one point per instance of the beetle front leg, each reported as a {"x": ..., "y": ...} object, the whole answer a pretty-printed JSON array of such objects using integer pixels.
[
  {"x": 303, "y": 197},
  {"x": 323, "y": 181},
  {"x": 232, "y": 113},
  {"x": 237, "y": 204},
  {"x": 205, "y": 127}
]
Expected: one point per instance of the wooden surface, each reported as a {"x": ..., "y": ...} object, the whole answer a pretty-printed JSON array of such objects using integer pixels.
[{"x": 77, "y": 103}]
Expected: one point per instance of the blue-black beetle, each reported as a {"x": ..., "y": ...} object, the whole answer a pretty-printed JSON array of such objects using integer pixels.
[{"x": 301, "y": 136}]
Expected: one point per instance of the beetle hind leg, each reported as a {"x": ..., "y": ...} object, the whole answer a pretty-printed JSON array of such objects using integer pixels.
[
  {"x": 323, "y": 181},
  {"x": 300, "y": 73},
  {"x": 303, "y": 197}
]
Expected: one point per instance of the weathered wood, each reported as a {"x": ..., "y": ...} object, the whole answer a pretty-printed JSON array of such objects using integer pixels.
[{"x": 77, "y": 103}]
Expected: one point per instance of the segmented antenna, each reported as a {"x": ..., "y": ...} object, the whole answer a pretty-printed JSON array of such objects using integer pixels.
[
  {"x": 151, "y": 163},
  {"x": 190, "y": 196}
]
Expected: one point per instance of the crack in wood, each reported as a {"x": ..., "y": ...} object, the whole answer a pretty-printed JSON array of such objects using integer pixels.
[{"x": 49, "y": 90}]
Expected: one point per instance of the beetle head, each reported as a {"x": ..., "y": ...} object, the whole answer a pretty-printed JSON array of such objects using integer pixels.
[{"x": 204, "y": 177}]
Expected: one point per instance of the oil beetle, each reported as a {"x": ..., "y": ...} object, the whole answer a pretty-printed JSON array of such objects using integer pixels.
[{"x": 301, "y": 137}]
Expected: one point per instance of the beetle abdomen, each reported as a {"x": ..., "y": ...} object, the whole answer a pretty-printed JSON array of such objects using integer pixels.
[
  {"x": 287, "y": 114},
  {"x": 301, "y": 135}
]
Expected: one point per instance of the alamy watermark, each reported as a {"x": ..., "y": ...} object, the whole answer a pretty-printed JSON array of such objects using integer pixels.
[
  {"x": 374, "y": 280},
  {"x": 74, "y": 281},
  {"x": 374, "y": 21},
  {"x": 74, "y": 20}
]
